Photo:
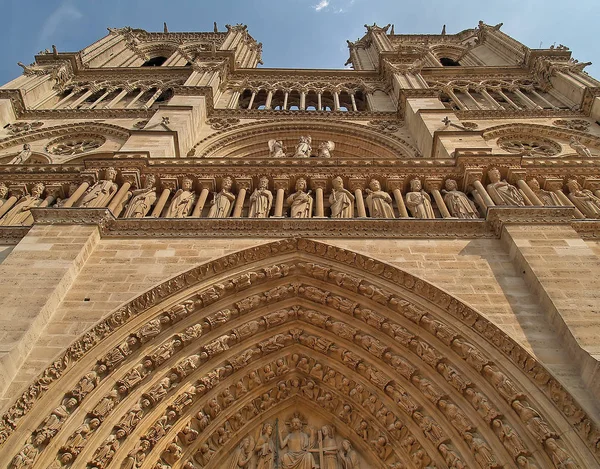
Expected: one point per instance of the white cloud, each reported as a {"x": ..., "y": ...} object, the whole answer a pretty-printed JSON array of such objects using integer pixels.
[
  {"x": 64, "y": 13},
  {"x": 322, "y": 4}
]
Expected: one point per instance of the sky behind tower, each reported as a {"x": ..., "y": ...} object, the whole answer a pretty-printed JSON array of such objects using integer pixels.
[{"x": 294, "y": 33}]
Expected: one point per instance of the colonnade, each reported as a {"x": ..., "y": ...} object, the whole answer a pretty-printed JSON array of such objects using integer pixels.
[{"x": 302, "y": 100}]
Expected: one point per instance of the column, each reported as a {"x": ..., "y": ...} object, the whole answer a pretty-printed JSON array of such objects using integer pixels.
[
  {"x": 6, "y": 206},
  {"x": 104, "y": 95},
  {"x": 552, "y": 106},
  {"x": 483, "y": 193},
  {"x": 434, "y": 186},
  {"x": 243, "y": 187},
  {"x": 319, "y": 185},
  {"x": 280, "y": 186},
  {"x": 457, "y": 101},
  {"x": 154, "y": 97},
  {"x": 160, "y": 204},
  {"x": 269, "y": 99},
  {"x": 206, "y": 185},
  {"x": 336, "y": 101},
  {"x": 80, "y": 100},
  {"x": 353, "y": 99},
  {"x": 534, "y": 199},
  {"x": 319, "y": 101},
  {"x": 357, "y": 186},
  {"x": 491, "y": 99},
  {"x": 567, "y": 202},
  {"x": 117, "y": 98},
  {"x": 135, "y": 100},
  {"x": 76, "y": 195},
  {"x": 395, "y": 186},
  {"x": 525, "y": 98},
  {"x": 251, "y": 100},
  {"x": 508, "y": 100},
  {"x": 234, "y": 101},
  {"x": 285, "y": 100},
  {"x": 302, "y": 100},
  {"x": 119, "y": 196},
  {"x": 65, "y": 99},
  {"x": 472, "y": 99}
]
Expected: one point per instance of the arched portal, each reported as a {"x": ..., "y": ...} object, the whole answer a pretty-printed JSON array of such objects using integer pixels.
[{"x": 342, "y": 355}]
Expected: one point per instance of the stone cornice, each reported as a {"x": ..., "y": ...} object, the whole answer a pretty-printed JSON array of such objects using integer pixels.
[{"x": 514, "y": 114}]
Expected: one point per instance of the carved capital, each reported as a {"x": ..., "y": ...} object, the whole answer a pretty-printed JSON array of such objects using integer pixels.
[
  {"x": 243, "y": 183},
  {"x": 207, "y": 183},
  {"x": 433, "y": 184},
  {"x": 471, "y": 176},
  {"x": 553, "y": 184},
  {"x": 168, "y": 183},
  {"x": 514, "y": 175},
  {"x": 393, "y": 184},
  {"x": 55, "y": 190},
  {"x": 132, "y": 176},
  {"x": 281, "y": 184},
  {"x": 356, "y": 184},
  {"x": 592, "y": 184},
  {"x": 17, "y": 190},
  {"x": 90, "y": 176},
  {"x": 318, "y": 183}
]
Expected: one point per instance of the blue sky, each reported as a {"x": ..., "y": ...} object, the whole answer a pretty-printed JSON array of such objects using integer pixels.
[{"x": 294, "y": 33}]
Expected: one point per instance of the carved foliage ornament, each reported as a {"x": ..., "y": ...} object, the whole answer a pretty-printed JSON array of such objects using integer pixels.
[
  {"x": 69, "y": 146},
  {"x": 20, "y": 127},
  {"x": 385, "y": 126},
  {"x": 221, "y": 123},
  {"x": 573, "y": 124},
  {"x": 530, "y": 146}
]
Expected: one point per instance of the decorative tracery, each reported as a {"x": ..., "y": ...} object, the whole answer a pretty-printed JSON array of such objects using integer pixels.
[{"x": 70, "y": 146}]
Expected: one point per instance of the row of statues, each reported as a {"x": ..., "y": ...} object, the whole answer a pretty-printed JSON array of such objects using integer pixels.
[
  {"x": 303, "y": 148},
  {"x": 450, "y": 201}
]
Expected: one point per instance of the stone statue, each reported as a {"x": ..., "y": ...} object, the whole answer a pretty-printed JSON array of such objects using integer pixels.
[
  {"x": 23, "y": 155},
  {"x": 583, "y": 199},
  {"x": 546, "y": 197},
  {"x": 418, "y": 201},
  {"x": 265, "y": 448},
  {"x": 298, "y": 444},
  {"x": 142, "y": 199},
  {"x": 501, "y": 192},
  {"x": 300, "y": 202},
  {"x": 100, "y": 193},
  {"x": 325, "y": 149},
  {"x": 20, "y": 213},
  {"x": 341, "y": 200},
  {"x": 183, "y": 200},
  {"x": 222, "y": 203},
  {"x": 3, "y": 193},
  {"x": 348, "y": 457},
  {"x": 575, "y": 144},
  {"x": 303, "y": 148},
  {"x": 243, "y": 454},
  {"x": 378, "y": 201},
  {"x": 330, "y": 449},
  {"x": 27, "y": 456},
  {"x": 457, "y": 202},
  {"x": 261, "y": 200},
  {"x": 559, "y": 456},
  {"x": 276, "y": 149}
]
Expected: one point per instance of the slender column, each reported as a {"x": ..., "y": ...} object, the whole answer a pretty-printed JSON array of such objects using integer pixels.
[
  {"x": 457, "y": 101},
  {"x": 117, "y": 98},
  {"x": 244, "y": 186},
  {"x": 525, "y": 98},
  {"x": 269, "y": 99},
  {"x": 434, "y": 186},
  {"x": 135, "y": 100},
  {"x": 395, "y": 187},
  {"x": 528, "y": 202},
  {"x": 65, "y": 99},
  {"x": 567, "y": 202},
  {"x": 280, "y": 185},
  {"x": 303, "y": 100},
  {"x": 206, "y": 186},
  {"x": 336, "y": 100},
  {"x": 162, "y": 200},
  {"x": 320, "y": 101},
  {"x": 597, "y": 193},
  {"x": 251, "y": 100},
  {"x": 154, "y": 97},
  {"x": 119, "y": 208},
  {"x": 6, "y": 206},
  {"x": 472, "y": 99},
  {"x": 357, "y": 187},
  {"x": 119, "y": 196},
  {"x": 76, "y": 195},
  {"x": 534, "y": 199},
  {"x": 80, "y": 100},
  {"x": 479, "y": 200},
  {"x": 491, "y": 99},
  {"x": 508, "y": 100},
  {"x": 319, "y": 185},
  {"x": 234, "y": 101},
  {"x": 543, "y": 99},
  {"x": 99, "y": 100},
  {"x": 353, "y": 99},
  {"x": 285, "y": 100},
  {"x": 483, "y": 193}
]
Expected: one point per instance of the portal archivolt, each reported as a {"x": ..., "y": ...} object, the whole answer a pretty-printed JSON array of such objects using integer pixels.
[{"x": 350, "y": 360}]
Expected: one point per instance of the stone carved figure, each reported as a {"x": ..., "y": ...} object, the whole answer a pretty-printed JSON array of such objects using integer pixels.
[
  {"x": 298, "y": 444},
  {"x": 347, "y": 456},
  {"x": 265, "y": 448},
  {"x": 261, "y": 200},
  {"x": 548, "y": 198},
  {"x": 457, "y": 202},
  {"x": 303, "y": 148},
  {"x": 142, "y": 199},
  {"x": 325, "y": 149},
  {"x": 501, "y": 192},
  {"x": 27, "y": 456},
  {"x": 300, "y": 202},
  {"x": 243, "y": 454},
  {"x": 20, "y": 213},
  {"x": 418, "y": 201},
  {"x": 3, "y": 193},
  {"x": 330, "y": 449},
  {"x": 23, "y": 155},
  {"x": 583, "y": 199},
  {"x": 378, "y": 201},
  {"x": 136, "y": 456},
  {"x": 53, "y": 423},
  {"x": 100, "y": 193},
  {"x": 183, "y": 201},
  {"x": 79, "y": 438},
  {"x": 341, "y": 200},
  {"x": 276, "y": 149},
  {"x": 574, "y": 143},
  {"x": 559, "y": 456},
  {"x": 222, "y": 203}
]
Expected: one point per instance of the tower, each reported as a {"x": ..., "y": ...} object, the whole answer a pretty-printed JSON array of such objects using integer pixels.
[{"x": 211, "y": 264}]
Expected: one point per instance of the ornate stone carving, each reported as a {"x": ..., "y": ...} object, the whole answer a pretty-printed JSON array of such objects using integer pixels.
[
  {"x": 580, "y": 148},
  {"x": 457, "y": 202},
  {"x": 183, "y": 200},
  {"x": 529, "y": 146},
  {"x": 583, "y": 199},
  {"x": 70, "y": 146},
  {"x": 142, "y": 199},
  {"x": 325, "y": 149},
  {"x": 378, "y": 201},
  {"x": 501, "y": 192},
  {"x": 303, "y": 148},
  {"x": 20, "y": 213},
  {"x": 222, "y": 203},
  {"x": 341, "y": 200},
  {"x": 418, "y": 201},
  {"x": 221, "y": 123},
  {"x": 276, "y": 149},
  {"x": 261, "y": 200},
  {"x": 573, "y": 124}
]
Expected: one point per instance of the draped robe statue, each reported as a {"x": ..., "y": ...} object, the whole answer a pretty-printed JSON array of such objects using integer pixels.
[
  {"x": 457, "y": 202},
  {"x": 501, "y": 192},
  {"x": 261, "y": 200},
  {"x": 276, "y": 149},
  {"x": 265, "y": 448},
  {"x": 298, "y": 445},
  {"x": 142, "y": 199},
  {"x": 303, "y": 148},
  {"x": 300, "y": 202},
  {"x": 418, "y": 201},
  {"x": 243, "y": 454},
  {"x": 3, "y": 193},
  {"x": 183, "y": 201},
  {"x": 222, "y": 203},
  {"x": 378, "y": 201},
  {"x": 546, "y": 197},
  {"x": 99, "y": 194},
  {"x": 20, "y": 213},
  {"x": 341, "y": 200},
  {"x": 348, "y": 457},
  {"x": 23, "y": 155},
  {"x": 330, "y": 450},
  {"x": 583, "y": 199}
]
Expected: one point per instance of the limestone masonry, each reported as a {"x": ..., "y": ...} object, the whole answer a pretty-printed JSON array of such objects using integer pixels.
[{"x": 206, "y": 264}]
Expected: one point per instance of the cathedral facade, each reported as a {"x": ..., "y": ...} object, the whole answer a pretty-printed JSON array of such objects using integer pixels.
[{"x": 207, "y": 264}]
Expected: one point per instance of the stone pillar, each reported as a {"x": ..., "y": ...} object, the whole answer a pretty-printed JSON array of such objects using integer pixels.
[
  {"x": 99, "y": 100},
  {"x": 79, "y": 100},
  {"x": 396, "y": 186},
  {"x": 434, "y": 186},
  {"x": 251, "y": 100},
  {"x": 357, "y": 186},
  {"x": 207, "y": 185},
  {"x": 483, "y": 193},
  {"x": 117, "y": 98},
  {"x": 280, "y": 186},
  {"x": 303, "y": 100},
  {"x": 6, "y": 206},
  {"x": 336, "y": 100},
  {"x": 76, "y": 195},
  {"x": 154, "y": 97},
  {"x": 269, "y": 99},
  {"x": 135, "y": 100},
  {"x": 244, "y": 185},
  {"x": 319, "y": 185},
  {"x": 162, "y": 200},
  {"x": 119, "y": 196}
]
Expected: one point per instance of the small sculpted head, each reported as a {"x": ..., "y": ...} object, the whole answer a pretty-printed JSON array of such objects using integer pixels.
[
  {"x": 226, "y": 183},
  {"x": 494, "y": 175},
  {"x": 415, "y": 185},
  {"x": 37, "y": 189},
  {"x": 451, "y": 185},
  {"x": 150, "y": 180},
  {"x": 187, "y": 184},
  {"x": 301, "y": 184},
  {"x": 573, "y": 185},
  {"x": 296, "y": 424},
  {"x": 263, "y": 183},
  {"x": 110, "y": 173},
  {"x": 375, "y": 185},
  {"x": 337, "y": 183},
  {"x": 534, "y": 185},
  {"x": 3, "y": 190}
]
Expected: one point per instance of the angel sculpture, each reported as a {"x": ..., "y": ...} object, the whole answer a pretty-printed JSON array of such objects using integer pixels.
[
  {"x": 325, "y": 149},
  {"x": 580, "y": 148},
  {"x": 243, "y": 454},
  {"x": 23, "y": 155},
  {"x": 276, "y": 149},
  {"x": 303, "y": 148}
]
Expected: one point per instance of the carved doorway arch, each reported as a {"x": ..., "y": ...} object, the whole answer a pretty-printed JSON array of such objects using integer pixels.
[{"x": 188, "y": 374}]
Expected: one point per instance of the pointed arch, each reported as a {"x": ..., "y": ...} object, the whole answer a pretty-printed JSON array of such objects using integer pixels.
[{"x": 461, "y": 388}]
